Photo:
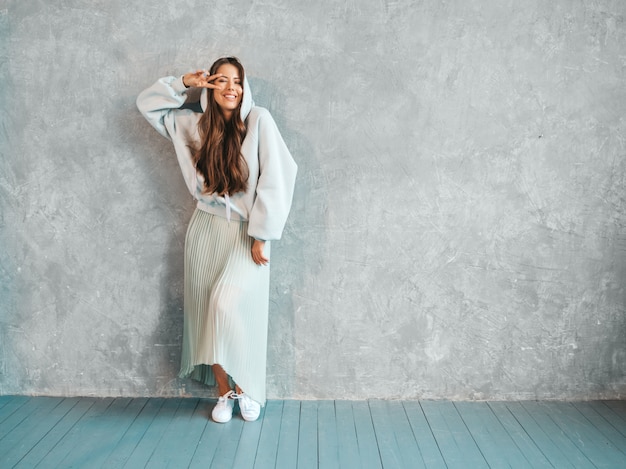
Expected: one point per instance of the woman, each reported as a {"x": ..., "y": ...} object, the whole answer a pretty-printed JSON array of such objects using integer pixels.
[{"x": 237, "y": 166}]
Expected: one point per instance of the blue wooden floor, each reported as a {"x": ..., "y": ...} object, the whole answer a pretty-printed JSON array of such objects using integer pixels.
[{"x": 50, "y": 432}]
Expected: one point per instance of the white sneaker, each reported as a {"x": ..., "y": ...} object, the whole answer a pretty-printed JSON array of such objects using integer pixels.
[
  {"x": 249, "y": 408},
  {"x": 223, "y": 410}
]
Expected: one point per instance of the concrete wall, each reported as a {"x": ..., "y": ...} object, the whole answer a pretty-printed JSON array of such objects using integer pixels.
[{"x": 458, "y": 229}]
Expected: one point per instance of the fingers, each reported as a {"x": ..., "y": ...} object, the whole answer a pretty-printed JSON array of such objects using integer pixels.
[
  {"x": 258, "y": 255},
  {"x": 206, "y": 79},
  {"x": 202, "y": 79},
  {"x": 260, "y": 259}
]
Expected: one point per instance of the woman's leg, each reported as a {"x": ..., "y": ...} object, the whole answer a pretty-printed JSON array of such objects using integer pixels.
[{"x": 222, "y": 379}]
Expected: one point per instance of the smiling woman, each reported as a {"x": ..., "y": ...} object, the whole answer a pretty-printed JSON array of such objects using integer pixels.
[
  {"x": 238, "y": 168},
  {"x": 229, "y": 91}
]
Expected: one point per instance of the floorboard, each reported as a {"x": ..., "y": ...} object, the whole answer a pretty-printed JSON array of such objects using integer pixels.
[
  {"x": 248, "y": 443},
  {"x": 369, "y": 452},
  {"x": 97, "y": 433},
  {"x": 57, "y": 430},
  {"x": 597, "y": 415},
  {"x": 11, "y": 407},
  {"x": 147, "y": 410},
  {"x": 68, "y": 452},
  {"x": 227, "y": 447},
  {"x": 16, "y": 444},
  {"x": 152, "y": 436},
  {"x": 453, "y": 438},
  {"x": 409, "y": 449},
  {"x": 346, "y": 436},
  {"x": 423, "y": 434},
  {"x": 269, "y": 437},
  {"x": 177, "y": 433},
  {"x": 545, "y": 415},
  {"x": 596, "y": 447},
  {"x": 615, "y": 415},
  {"x": 496, "y": 446},
  {"x": 207, "y": 445},
  {"x": 287, "y": 451},
  {"x": 548, "y": 444},
  {"x": 532, "y": 453},
  {"x": 308, "y": 436},
  {"x": 384, "y": 429},
  {"x": 328, "y": 449},
  {"x": 173, "y": 449}
]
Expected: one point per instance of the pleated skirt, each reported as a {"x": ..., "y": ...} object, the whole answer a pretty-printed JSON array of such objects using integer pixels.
[{"x": 225, "y": 305}]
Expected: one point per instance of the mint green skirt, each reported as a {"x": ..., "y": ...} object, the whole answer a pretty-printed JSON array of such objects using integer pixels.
[{"x": 225, "y": 305}]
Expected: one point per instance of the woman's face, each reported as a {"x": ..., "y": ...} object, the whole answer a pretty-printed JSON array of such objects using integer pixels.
[{"x": 230, "y": 90}]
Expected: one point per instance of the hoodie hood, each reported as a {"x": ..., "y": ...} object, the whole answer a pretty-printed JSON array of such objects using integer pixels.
[{"x": 246, "y": 101}]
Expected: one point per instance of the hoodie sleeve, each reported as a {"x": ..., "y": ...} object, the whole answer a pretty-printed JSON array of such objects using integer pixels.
[
  {"x": 274, "y": 191},
  {"x": 158, "y": 101},
  {"x": 161, "y": 105}
]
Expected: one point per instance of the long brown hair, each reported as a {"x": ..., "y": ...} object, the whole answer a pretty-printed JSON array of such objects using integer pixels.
[{"x": 219, "y": 157}]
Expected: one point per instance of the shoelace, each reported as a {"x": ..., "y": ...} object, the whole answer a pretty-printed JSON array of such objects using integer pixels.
[
  {"x": 228, "y": 395},
  {"x": 239, "y": 397}
]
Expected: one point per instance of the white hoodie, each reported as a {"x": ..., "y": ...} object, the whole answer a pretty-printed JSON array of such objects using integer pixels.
[{"x": 272, "y": 170}]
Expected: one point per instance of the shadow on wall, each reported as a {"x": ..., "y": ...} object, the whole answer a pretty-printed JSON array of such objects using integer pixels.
[
  {"x": 169, "y": 210},
  {"x": 295, "y": 253}
]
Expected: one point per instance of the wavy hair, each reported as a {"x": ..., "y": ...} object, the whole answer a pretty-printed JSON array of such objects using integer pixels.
[{"x": 219, "y": 157}]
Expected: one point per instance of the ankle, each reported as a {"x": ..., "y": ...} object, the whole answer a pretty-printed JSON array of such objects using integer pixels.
[{"x": 223, "y": 391}]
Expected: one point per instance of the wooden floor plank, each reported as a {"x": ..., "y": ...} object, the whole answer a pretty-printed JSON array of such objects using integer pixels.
[
  {"x": 541, "y": 414},
  {"x": 68, "y": 451},
  {"x": 146, "y": 410},
  {"x": 15, "y": 445},
  {"x": 613, "y": 419},
  {"x": 497, "y": 447},
  {"x": 16, "y": 422},
  {"x": 541, "y": 437},
  {"x": 346, "y": 436},
  {"x": 618, "y": 406},
  {"x": 56, "y": 432},
  {"x": 457, "y": 446},
  {"x": 384, "y": 428},
  {"x": 369, "y": 454},
  {"x": 209, "y": 441},
  {"x": 429, "y": 449},
  {"x": 408, "y": 445},
  {"x": 587, "y": 438},
  {"x": 270, "y": 432},
  {"x": 229, "y": 441},
  {"x": 287, "y": 453},
  {"x": 152, "y": 436},
  {"x": 98, "y": 432},
  {"x": 5, "y": 399},
  {"x": 328, "y": 450},
  {"x": 249, "y": 443},
  {"x": 612, "y": 413},
  {"x": 532, "y": 453},
  {"x": 308, "y": 437},
  {"x": 174, "y": 448},
  {"x": 12, "y": 406},
  {"x": 604, "y": 426}
]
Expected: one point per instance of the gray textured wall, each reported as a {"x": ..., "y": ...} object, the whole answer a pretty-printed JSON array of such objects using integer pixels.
[{"x": 458, "y": 229}]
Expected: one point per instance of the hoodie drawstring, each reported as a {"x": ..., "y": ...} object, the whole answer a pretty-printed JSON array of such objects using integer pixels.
[{"x": 227, "y": 207}]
